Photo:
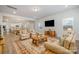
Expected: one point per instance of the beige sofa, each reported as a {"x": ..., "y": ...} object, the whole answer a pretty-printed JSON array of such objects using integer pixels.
[
  {"x": 66, "y": 44},
  {"x": 57, "y": 49}
]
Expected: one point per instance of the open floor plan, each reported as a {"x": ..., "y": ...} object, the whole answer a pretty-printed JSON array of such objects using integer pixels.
[{"x": 39, "y": 29}]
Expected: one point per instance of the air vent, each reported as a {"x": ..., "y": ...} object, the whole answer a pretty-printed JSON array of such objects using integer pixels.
[{"x": 11, "y": 7}]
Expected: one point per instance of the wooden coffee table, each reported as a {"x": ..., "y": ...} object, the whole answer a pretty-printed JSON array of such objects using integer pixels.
[{"x": 36, "y": 40}]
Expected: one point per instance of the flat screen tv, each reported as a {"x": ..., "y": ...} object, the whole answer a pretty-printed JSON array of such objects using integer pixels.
[{"x": 49, "y": 23}]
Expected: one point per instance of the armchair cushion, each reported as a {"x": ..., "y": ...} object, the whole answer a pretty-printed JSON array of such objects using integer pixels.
[{"x": 25, "y": 36}]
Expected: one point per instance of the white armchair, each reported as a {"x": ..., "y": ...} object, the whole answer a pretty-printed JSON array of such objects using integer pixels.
[{"x": 24, "y": 35}]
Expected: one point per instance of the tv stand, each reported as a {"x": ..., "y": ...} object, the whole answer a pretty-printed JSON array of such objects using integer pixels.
[{"x": 50, "y": 33}]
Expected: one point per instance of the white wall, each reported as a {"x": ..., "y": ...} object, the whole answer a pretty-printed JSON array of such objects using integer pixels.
[
  {"x": 0, "y": 19},
  {"x": 16, "y": 20},
  {"x": 58, "y": 17}
]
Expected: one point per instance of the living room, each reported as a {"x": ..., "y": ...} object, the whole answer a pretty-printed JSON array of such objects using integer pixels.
[{"x": 39, "y": 29}]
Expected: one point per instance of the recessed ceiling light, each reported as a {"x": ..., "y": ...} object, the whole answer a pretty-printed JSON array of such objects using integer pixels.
[
  {"x": 14, "y": 12},
  {"x": 6, "y": 20},
  {"x": 66, "y": 6},
  {"x": 35, "y": 9}
]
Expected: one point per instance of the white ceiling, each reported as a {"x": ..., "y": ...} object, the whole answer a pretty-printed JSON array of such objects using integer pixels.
[{"x": 27, "y": 10}]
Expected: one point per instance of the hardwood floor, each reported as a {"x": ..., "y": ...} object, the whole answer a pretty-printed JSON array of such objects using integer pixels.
[
  {"x": 9, "y": 39},
  {"x": 77, "y": 43}
]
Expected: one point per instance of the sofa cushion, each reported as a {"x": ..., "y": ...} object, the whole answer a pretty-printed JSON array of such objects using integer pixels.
[{"x": 56, "y": 48}]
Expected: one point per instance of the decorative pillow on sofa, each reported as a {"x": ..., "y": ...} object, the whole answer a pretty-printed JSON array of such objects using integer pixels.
[
  {"x": 61, "y": 41},
  {"x": 72, "y": 46},
  {"x": 64, "y": 37},
  {"x": 67, "y": 42}
]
